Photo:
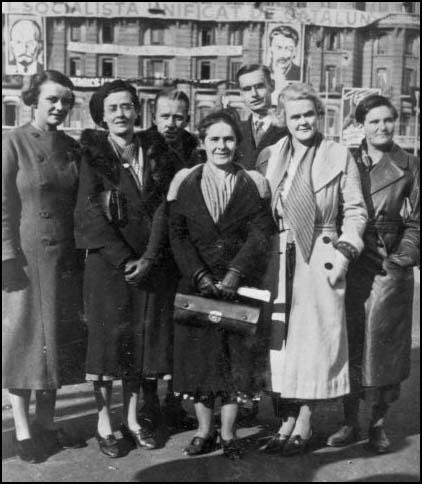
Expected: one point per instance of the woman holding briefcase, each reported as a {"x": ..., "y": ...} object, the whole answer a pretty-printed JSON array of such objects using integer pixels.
[{"x": 220, "y": 226}]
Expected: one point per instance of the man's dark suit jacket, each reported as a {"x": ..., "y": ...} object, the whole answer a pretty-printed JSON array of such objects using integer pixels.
[{"x": 248, "y": 150}]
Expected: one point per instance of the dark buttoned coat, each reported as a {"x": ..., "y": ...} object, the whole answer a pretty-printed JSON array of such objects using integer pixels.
[
  {"x": 43, "y": 345},
  {"x": 209, "y": 359},
  {"x": 380, "y": 284},
  {"x": 248, "y": 150},
  {"x": 129, "y": 326}
]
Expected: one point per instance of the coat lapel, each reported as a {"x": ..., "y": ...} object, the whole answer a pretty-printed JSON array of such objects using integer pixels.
[
  {"x": 388, "y": 170},
  {"x": 330, "y": 161}
]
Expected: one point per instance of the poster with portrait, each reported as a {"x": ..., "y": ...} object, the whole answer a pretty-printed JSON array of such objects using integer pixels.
[
  {"x": 351, "y": 134},
  {"x": 25, "y": 44},
  {"x": 283, "y": 53}
]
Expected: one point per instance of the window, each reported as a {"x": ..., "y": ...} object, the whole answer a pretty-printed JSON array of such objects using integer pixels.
[
  {"x": 203, "y": 112},
  {"x": 407, "y": 125},
  {"x": 382, "y": 78},
  {"x": 75, "y": 66},
  {"x": 408, "y": 80},
  {"x": 330, "y": 78},
  {"x": 382, "y": 44},
  {"x": 333, "y": 40},
  {"x": 157, "y": 36},
  {"x": 107, "y": 32},
  {"x": 206, "y": 36},
  {"x": 75, "y": 31},
  {"x": 75, "y": 116},
  {"x": 331, "y": 120},
  {"x": 204, "y": 70},
  {"x": 236, "y": 36},
  {"x": 234, "y": 66},
  {"x": 107, "y": 67},
  {"x": 157, "y": 70},
  {"x": 412, "y": 45},
  {"x": 10, "y": 114}
]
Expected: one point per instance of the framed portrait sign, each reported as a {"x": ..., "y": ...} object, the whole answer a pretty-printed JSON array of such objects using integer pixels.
[{"x": 25, "y": 44}]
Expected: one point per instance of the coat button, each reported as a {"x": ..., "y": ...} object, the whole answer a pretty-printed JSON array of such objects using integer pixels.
[
  {"x": 326, "y": 240},
  {"x": 328, "y": 266},
  {"x": 380, "y": 243},
  {"x": 41, "y": 158},
  {"x": 45, "y": 214},
  {"x": 382, "y": 272},
  {"x": 36, "y": 135},
  {"x": 44, "y": 350},
  {"x": 382, "y": 212}
]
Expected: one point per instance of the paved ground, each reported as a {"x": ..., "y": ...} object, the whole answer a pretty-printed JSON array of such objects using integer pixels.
[{"x": 76, "y": 411}]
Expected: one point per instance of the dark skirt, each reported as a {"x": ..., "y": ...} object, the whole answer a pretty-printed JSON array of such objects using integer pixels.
[
  {"x": 130, "y": 327},
  {"x": 211, "y": 360}
]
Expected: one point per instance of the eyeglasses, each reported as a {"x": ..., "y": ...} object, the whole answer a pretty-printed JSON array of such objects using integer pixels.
[{"x": 125, "y": 107}]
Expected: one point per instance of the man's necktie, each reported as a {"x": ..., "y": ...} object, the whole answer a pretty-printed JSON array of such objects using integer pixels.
[
  {"x": 259, "y": 125},
  {"x": 300, "y": 205}
]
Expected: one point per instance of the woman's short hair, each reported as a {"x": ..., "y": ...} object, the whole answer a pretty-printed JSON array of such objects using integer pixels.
[
  {"x": 96, "y": 103},
  {"x": 298, "y": 92},
  {"x": 31, "y": 94},
  {"x": 371, "y": 102},
  {"x": 218, "y": 117}
]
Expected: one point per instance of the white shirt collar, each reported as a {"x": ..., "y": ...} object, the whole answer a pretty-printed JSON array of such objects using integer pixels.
[{"x": 266, "y": 120}]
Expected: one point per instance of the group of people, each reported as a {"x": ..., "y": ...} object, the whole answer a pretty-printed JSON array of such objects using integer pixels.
[{"x": 141, "y": 215}]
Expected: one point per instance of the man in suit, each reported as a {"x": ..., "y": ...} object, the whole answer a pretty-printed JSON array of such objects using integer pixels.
[{"x": 260, "y": 129}]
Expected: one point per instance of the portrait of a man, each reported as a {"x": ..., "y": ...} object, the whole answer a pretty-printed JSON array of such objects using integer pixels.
[
  {"x": 25, "y": 47},
  {"x": 284, "y": 51}
]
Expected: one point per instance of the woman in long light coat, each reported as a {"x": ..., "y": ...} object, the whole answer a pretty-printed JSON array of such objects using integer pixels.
[{"x": 314, "y": 183}]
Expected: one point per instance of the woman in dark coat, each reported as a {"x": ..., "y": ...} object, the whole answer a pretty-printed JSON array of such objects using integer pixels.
[
  {"x": 120, "y": 220},
  {"x": 380, "y": 285},
  {"x": 41, "y": 268},
  {"x": 220, "y": 225}
]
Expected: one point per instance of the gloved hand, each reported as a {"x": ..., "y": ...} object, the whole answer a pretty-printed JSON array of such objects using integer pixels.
[
  {"x": 338, "y": 273},
  {"x": 230, "y": 284},
  {"x": 206, "y": 286},
  {"x": 137, "y": 269},
  {"x": 13, "y": 277}
]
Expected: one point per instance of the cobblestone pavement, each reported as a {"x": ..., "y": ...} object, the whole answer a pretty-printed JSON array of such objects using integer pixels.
[{"x": 355, "y": 463}]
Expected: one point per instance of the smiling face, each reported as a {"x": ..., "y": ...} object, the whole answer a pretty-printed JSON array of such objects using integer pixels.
[
  {"x": 171, "y": 118},
  {"x": 283, "y": 51},
  {"x": 53, "y": 105},
  {"x": 256, "y": 91},
  {"x": 301, "y": 119},
  {"x": 379, "y": 127},
  {"x": 120, "y": 113},
  {"x": 220, "y": 144}
]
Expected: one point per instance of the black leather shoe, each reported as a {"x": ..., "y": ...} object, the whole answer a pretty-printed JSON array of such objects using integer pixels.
[
  {"x": 53, "y": 440},
  {"x": 142, "y": 438},
  {"x": 378, "y": 440},
  {"x": 296, "y": 445},
  {"x": 275, "y": 444},
  {"x": 231, "y": 449},
  {"x": 346, "y": 435},
  {"x": 28, "y": 451},
  {"x": 108, "y": 445},
  {"x": 201, "y": 445}
]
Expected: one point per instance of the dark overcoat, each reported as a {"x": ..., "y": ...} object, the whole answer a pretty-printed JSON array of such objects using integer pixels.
[
  {"x": 43, "y": 336},
  {"x": 380, "y": 284},
  {"x": 129, "y": 327},
  {"x": 247, "y": 149},
  {"x": 210, "y": 359}
]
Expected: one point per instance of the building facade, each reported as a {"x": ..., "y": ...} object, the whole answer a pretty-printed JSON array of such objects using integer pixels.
[{"x": 195, "y": 46}]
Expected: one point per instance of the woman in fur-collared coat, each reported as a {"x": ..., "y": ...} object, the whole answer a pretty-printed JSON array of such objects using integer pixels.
[{"x": 120, "y": 220}]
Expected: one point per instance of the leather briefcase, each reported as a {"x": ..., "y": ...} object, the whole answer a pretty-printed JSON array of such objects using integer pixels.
[{"x": 202, "y": 311}]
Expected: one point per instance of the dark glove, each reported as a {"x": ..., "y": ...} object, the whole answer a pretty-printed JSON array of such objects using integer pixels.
[
  {"x": 13, "y": 277},
  {"x": 206, "y": 286},
  {"x": 230, "y": 284},
  {"x": 137, "y": 270}
]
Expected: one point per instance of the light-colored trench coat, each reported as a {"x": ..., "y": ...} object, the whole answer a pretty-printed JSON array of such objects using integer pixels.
[{"x": 311, "y": 361}]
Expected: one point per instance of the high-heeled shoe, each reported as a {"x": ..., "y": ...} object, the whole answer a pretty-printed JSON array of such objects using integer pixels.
[
  {"x": 231, "y": 449},
  {"x": 275, "y": 443},
  {"x": 27, "y": 451},
  {"x": 108, "y": 445},
  {"x": 296, "y": 444},
  {"x": 142, "y": 438},
  {"x": 201, "y": 445}
]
